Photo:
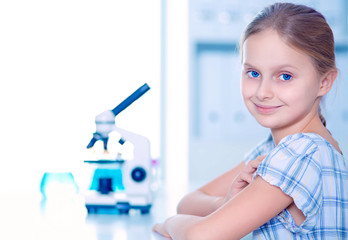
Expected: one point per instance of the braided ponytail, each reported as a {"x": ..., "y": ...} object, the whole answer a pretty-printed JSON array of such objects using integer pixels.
[{"x": 322, "y": 118}]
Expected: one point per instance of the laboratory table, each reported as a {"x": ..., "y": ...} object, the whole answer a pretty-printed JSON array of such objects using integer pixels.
[{"x": 29, "y": 216}]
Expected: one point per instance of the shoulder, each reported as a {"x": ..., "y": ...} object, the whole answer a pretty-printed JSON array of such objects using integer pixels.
[
  {"x": 306, "y": 144},
  {"x": 303, "y": 166},
  {"x": 294, "y": 154},
  {"x": 299, "y": 143},
  {"x": 294, "y": 166}
]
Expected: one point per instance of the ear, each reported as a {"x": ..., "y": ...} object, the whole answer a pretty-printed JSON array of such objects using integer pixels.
[{"x": 327, "y": 81}]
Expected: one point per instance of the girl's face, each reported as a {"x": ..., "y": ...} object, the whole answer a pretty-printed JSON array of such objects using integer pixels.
[{"x": 280, "y": 85}]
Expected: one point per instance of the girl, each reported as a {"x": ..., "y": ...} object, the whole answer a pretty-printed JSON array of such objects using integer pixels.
[{"x": 294, "y": 185}]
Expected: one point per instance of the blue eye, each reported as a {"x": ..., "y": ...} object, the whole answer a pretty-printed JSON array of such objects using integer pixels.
[
  {"x": 285, "y": 77},
  {"x": 253, "y": 74}
]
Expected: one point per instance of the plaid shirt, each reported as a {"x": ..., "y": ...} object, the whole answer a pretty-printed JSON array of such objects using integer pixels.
[{"x": 310, "y": 170}]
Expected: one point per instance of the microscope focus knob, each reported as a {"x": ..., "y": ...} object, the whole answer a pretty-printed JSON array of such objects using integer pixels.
[{"x": 138, "y": 174}]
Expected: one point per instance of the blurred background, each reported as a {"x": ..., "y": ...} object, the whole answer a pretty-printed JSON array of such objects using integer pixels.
[
  {"x": 221, "y": 130},
  {"x": 64, "y": 62}
]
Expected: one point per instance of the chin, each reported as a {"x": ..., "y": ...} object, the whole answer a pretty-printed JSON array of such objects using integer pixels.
[{"x": 268, "y": 123}]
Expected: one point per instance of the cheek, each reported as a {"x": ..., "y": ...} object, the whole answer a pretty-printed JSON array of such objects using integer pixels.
[
  {"x": 246, "y": 89},
  {"x": 295, "y": 97}
]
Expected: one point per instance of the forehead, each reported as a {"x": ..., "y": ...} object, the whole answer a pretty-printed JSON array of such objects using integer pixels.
[{"x": 268, "y": 49}]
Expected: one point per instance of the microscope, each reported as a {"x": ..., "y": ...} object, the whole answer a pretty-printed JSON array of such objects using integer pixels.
[{"x": 121, "y": 178}]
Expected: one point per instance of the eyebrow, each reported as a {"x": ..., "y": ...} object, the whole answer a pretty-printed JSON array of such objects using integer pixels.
[
  {"x": 276, "y": 67},
  {"x": 248, "y": 65}
]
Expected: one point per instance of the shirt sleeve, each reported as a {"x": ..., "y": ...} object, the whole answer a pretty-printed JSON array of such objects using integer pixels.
[{"x": 294, "y": 167}]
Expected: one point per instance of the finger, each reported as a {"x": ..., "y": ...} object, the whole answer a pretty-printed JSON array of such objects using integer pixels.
[
  {"x": 245, "y": 177},
  {"x": 159, "y": 228},
  {"x": 256, "y": 162},
  {"x": 252, "y": 166},
  {"x": 260, "y": 158},
  {"x": 154, "y": 228}
]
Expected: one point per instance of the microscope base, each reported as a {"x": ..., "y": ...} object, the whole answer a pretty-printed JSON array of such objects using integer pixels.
[{"x": 116, "y": 202}]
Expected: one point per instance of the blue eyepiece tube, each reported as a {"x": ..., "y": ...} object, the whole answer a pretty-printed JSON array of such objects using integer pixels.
[{"x": 129, "y": 100}]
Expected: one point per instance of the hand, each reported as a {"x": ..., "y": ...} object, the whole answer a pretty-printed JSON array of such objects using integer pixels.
[
  {"x": 244, "y": 177},
  {"x": 161, "y": 229},
  {"x": 177, "y": 226}
]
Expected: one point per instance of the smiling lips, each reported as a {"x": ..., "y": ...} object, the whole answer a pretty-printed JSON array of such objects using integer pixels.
[{"x": 263, "y": 109}]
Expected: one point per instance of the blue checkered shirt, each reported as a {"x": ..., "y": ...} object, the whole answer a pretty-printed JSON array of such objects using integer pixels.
[{"x": 310, "y": 170}]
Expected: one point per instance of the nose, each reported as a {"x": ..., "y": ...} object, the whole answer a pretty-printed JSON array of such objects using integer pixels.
[{"x": 264, "y": 90}]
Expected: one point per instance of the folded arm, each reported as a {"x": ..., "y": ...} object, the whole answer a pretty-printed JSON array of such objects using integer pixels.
[
  {"x": 252, "y": 207},
  {"x": 210, "y": 197}
]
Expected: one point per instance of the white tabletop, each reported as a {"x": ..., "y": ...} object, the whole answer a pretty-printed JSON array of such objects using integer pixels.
[{"x": 28, "y": 216}]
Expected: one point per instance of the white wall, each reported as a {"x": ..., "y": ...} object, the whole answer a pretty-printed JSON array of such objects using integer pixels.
[
  {"x": 176, "y": 93},
  {"x": 61, "y": 64}
]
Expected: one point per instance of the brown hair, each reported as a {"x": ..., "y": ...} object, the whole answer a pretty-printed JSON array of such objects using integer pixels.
[{"x": 300, "y": 27}]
